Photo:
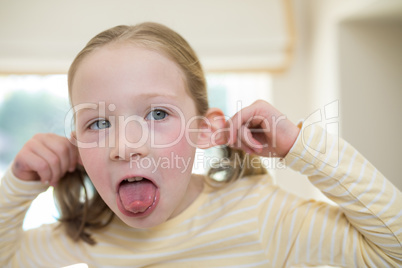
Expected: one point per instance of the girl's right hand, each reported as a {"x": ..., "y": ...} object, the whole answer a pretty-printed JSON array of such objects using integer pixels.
[{"x": 46, "y": 158}]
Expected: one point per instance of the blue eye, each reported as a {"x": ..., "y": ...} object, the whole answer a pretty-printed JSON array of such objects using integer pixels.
[
  {"x": 156, "y": 115},
  {"x": 100, "y": 124}
]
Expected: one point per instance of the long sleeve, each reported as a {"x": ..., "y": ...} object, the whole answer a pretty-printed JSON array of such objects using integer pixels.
[
  {"x": 15, "y": 198},
  {"x": 249, "y": 223},
  {"x": 46, "y": 246},
  {"x": 366, "y": 229}
]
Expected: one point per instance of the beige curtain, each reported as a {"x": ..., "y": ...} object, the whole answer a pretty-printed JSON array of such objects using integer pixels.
[{"x": 43, "y": 36}]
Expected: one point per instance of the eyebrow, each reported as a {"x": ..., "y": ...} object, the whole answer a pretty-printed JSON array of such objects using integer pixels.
[
  {"x": 86, "y": 105},
  {"x": 153, "y": 95}
]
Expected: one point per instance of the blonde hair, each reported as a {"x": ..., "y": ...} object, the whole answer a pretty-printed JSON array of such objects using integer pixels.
[{"x": 81, "y": 207}]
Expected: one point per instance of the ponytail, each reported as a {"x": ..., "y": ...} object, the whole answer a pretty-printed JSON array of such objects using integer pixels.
[
  {"x": 234, "y": 164},
  {"x": 80, "y": 206}
]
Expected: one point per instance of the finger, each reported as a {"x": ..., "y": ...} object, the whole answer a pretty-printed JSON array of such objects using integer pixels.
[
  {"x": 61, "y": 147},
  {"x": 234, "y": 124},
  {"x": 30, "y": 166},
  {"x": 249, "y": 141},
  {"x": 42, "y": 167},
  {"x": 73, "y": 154},
  {"x": 50, "y": 157},
  {"x": 244, "y": 147},
  {"x": 248, "y": 150},
  {"x": 245, "y": 141},
  {"x": 231, "y": 134},
  {"x": 64, "y": 151},
  {"x": 246, "y": 116}
]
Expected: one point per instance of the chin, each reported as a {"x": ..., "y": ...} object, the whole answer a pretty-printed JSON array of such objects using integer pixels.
[{"x": 138, "y": 223}]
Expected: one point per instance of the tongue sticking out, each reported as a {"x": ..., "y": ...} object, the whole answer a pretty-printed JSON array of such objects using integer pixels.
[{"x": 137, "y": 196}]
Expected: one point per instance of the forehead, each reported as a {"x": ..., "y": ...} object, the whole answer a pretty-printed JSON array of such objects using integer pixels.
[{"x": 119, "y": 69}]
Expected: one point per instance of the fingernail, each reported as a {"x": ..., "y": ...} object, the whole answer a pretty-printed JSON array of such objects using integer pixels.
[{"x": 230, "y": 141}]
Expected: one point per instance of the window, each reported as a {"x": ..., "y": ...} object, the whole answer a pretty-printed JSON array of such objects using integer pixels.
[
  {"x": 30, "y": 104},
  {"x": 231, "y": 92}
]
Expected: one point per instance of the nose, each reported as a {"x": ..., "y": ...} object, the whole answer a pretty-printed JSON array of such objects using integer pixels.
[{"x": 131, "y": 139}]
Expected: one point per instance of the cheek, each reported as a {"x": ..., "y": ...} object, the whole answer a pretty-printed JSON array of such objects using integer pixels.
[
  {"x": 172, "y": 136},
  {"x": 173, "y": 143},
  {"x": 88, "y": 157},
  {"x": 176, "y": 147},
  {"x": 91, "y": 160},
  {"x": 175, "y": 134}
]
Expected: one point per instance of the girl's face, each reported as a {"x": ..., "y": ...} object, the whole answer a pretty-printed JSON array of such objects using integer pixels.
[{"x": 135, "y": 130}]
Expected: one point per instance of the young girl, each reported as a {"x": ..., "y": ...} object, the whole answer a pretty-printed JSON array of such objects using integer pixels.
[{"x": 140, "y": 103}]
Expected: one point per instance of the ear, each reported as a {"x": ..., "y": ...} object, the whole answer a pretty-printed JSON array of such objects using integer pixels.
[
  {"x": 211, "y": 132},
  {"x": 73, "y": 140}
]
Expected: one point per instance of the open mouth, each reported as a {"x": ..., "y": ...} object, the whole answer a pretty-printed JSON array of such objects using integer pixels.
[{"x": 137, "y": 196}]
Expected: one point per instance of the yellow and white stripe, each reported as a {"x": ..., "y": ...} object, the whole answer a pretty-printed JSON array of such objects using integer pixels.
[{"x": 250, "y": 223}]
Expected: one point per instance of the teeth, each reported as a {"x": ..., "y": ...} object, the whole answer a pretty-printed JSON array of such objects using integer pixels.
[{"x": 134, "y": 179}]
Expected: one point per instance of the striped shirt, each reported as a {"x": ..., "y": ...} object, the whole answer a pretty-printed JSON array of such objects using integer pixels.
[{"x": 249, "y": 223}]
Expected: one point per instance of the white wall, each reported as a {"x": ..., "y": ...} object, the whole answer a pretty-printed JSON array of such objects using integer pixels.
[
  {"x": 330, "y": 65},
  {"x": 371, "y": 91},
  {"x": 293, "y": 92}
]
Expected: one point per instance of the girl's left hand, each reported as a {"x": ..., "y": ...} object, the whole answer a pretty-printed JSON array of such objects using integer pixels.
[{"x": 261, "y": 129}]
